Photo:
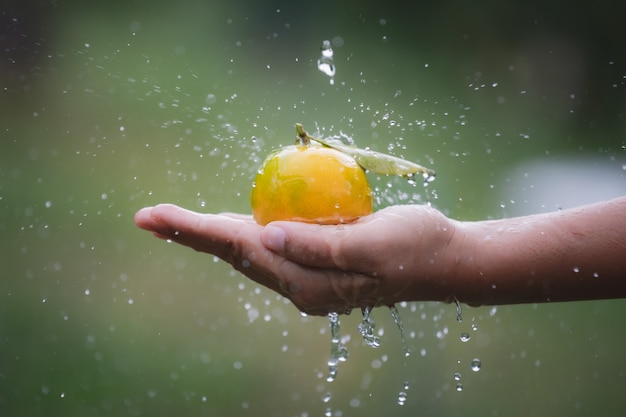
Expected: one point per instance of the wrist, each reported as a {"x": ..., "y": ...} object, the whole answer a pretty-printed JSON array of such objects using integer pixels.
[{"x": 437, "y": 244}]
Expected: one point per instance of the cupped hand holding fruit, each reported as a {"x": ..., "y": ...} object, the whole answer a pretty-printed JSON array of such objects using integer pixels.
[{"x": 322, "y": 268}]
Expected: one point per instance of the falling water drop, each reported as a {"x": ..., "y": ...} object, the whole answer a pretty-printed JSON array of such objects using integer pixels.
[
  {"x": 398, "y": 320},
  {"x": 325, "y": 63},
  {"x": 459, "y": 384},
  {"x": 465, "y": 337},
  {"x": 402, "y": 395},
  {"x": 475, "y": 365},
  {"x": 338, "y": 352},
  {"x": 402, "y": 398},
  {"x": 366, "y": 328}
]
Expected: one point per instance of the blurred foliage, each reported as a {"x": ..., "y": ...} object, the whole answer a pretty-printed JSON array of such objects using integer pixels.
[{"x": 109, "y": 107}]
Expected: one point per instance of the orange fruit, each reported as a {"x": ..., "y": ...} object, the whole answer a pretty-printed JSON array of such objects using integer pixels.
[{"x": 310, "y": 183}]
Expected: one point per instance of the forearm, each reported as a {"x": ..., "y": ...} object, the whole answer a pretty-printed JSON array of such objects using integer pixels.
[{"x": 576, "y": 254}]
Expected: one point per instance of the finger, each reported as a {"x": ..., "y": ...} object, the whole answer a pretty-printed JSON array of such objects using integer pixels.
[
  {"x": 238, "y": 243},
  {"x": 210, "y": 233},
  {"x": 233, "y": 240}
]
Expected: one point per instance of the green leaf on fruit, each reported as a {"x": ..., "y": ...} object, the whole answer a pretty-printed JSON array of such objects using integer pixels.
[{"x": 376, "y": 162}]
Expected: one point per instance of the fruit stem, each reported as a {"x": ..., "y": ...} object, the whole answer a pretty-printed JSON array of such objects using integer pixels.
[{"x": 302, "y": 138}]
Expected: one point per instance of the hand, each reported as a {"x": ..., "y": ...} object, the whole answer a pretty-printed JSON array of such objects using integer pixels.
[
  {"x": 322, "y": 269},
  {"x": 415, "y": 253}
]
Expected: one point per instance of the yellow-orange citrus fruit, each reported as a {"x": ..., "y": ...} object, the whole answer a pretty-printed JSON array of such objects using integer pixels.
[{"x": 312, "y": 184}]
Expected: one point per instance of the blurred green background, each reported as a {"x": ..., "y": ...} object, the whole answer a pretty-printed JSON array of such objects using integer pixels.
[{"x": 108, "y": 107}]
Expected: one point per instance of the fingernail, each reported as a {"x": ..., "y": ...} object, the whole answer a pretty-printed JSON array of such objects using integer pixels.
[{"x": 273, "y": 238}]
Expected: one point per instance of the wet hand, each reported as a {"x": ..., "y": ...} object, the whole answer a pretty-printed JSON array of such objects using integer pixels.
[{"x": 321, "y": 269}]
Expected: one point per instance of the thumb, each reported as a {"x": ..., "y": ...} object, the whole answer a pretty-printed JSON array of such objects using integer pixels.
[{"x": 320, "y": 246}]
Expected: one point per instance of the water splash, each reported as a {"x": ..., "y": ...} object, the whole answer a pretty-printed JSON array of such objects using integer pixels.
[
  {"x": 366, "y": 328},
  {"x": 325, "y": 63},
  {"x": 398, "y": 320},
  {"x": 428, "y": 178},
  {"x": 338, "y": 352}
]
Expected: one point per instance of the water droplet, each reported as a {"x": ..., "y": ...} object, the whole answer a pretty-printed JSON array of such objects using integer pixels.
[
  {"x": 428, "y": 178},
  {"x": 475, "y": 365},
  {"x": 355, "y": 403},
  {"x": 210, "y": 99},
  {"x": 457, "y": 376},
  {"x": 326, "y": 397},
  {"x": 366, "y": 328},
  {"x": 465, "y": 337},
  {"x": 325, "y": 63},
  {"x": 402, "y": 398},
  {"x": 459, "y": 387}
]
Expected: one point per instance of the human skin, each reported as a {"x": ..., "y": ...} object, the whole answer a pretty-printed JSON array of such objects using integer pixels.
[{"x": 415, "y": 253}]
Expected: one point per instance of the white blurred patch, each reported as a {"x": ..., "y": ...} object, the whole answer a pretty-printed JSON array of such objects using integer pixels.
[{"x": 554, "y": 183}]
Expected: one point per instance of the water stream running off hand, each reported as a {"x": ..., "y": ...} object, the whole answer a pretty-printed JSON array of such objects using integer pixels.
[
  {"x": 339, "y": 353},
  {"x": 367, "y": 326}
]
